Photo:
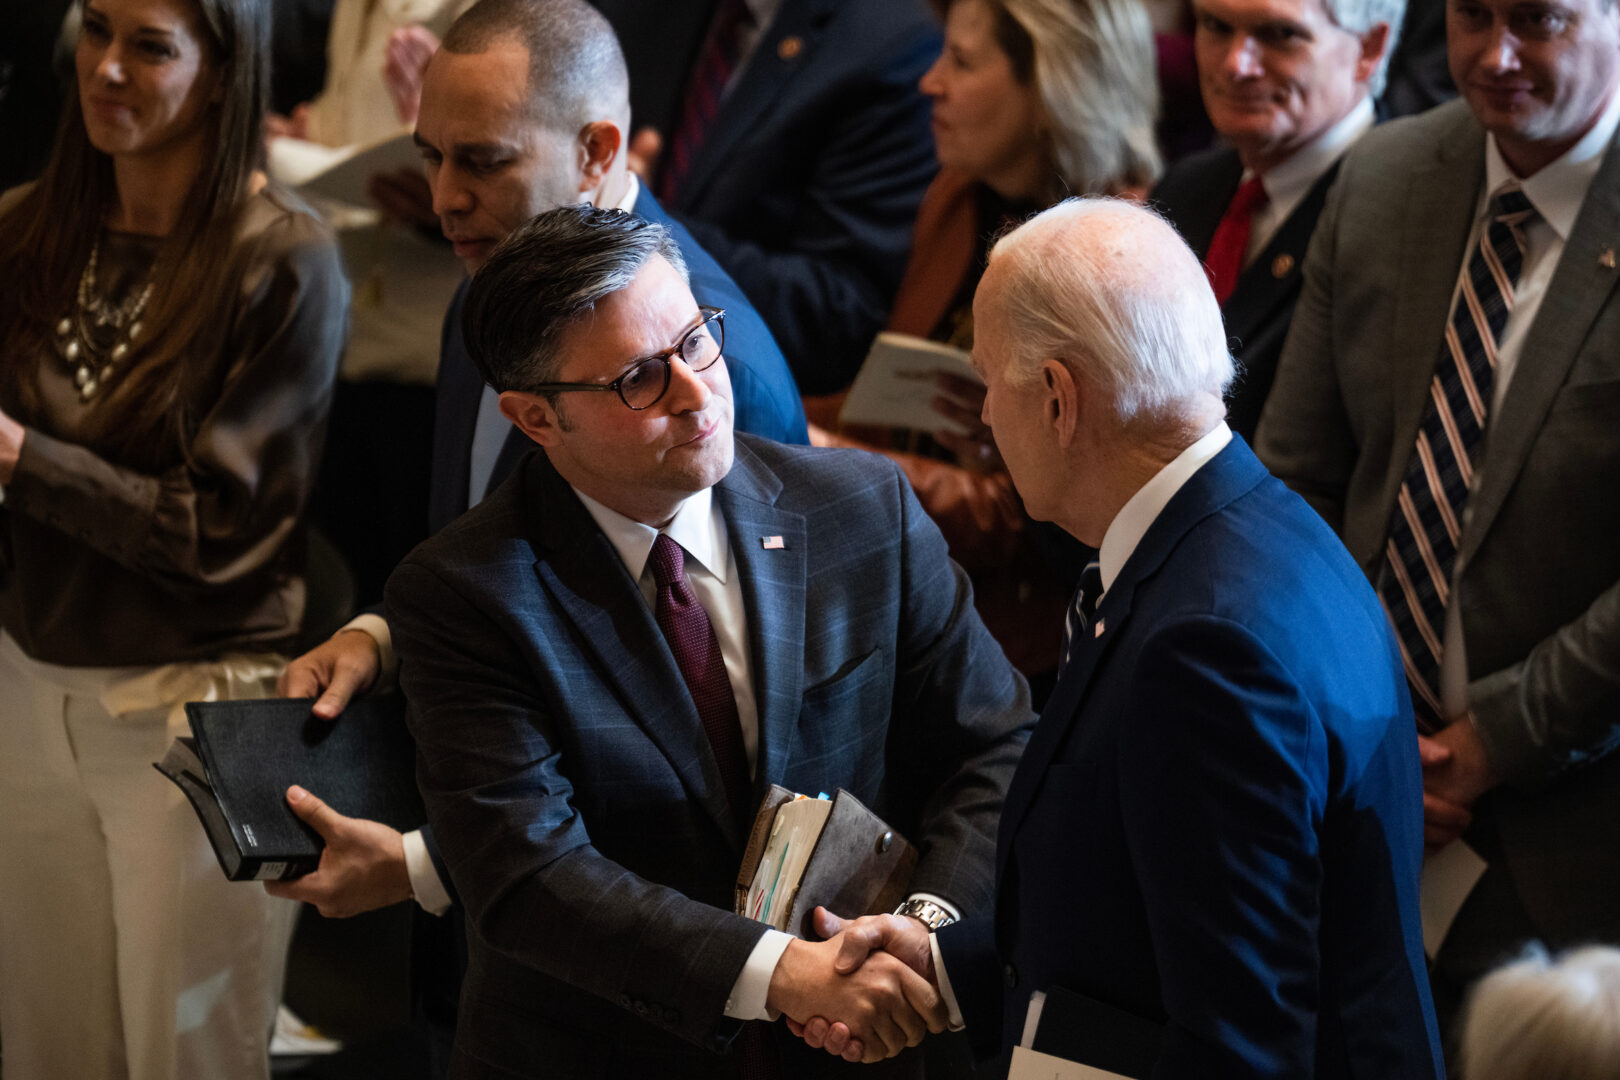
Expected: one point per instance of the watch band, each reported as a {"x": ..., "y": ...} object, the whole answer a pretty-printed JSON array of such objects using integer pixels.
[{"x": 927, "y": 912}]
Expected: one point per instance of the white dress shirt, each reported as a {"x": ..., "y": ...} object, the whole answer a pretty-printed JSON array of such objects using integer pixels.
[
  {"x": 1557, "y": 191},
  {"x": 1124, "y": 533},
  {"x": 1288, "y": 182}
]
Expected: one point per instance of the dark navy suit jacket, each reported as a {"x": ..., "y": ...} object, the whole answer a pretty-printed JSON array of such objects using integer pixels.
[
  {"x": 1194, "y": 195},
  {"x": 762, "y": 388},
  {"x": 568, "y": 777},
  {"x": 809, "y": 179},
  {"x": 1217, "y": 824}
]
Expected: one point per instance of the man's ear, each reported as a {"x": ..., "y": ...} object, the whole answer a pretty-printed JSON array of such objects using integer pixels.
[
  {"x": 533, "y": 415},
  {"x": 1373, "y": 44},
  {"x": 597, "y": 148},
  {"x": 1062, "y": 400}
]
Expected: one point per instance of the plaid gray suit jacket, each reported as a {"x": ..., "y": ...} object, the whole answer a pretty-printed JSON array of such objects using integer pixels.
[{"x": 1538, "y": 563}]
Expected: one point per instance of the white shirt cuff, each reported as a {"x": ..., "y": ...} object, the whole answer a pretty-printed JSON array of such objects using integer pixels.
[
  {"x": 748, "y": 993},
  {"x": 426, "y": 887},
  {"x": 377, "y": 627},
  {"x": 952, "y": 1013}
]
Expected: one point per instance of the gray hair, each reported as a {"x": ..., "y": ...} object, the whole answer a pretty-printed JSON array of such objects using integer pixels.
[
  {"x": 1538, "y": 1018},
  {"x": 1111, "y": 290},
  {"x": 1360, "y": 16},
  {"x": 547, "y": 276},
  {"x": 577, "y": 73},
  {"x": 1092, "y": 64}
]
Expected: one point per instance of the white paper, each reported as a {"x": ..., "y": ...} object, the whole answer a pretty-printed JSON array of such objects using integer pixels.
[
  {"x": 1030, "y": 1064},
  {"x": 1449, "y": 876},
  {"x": 341, "y": 174},
  {"x": 895, "y": 386},
  {"x": 1032, "y": 1017}
]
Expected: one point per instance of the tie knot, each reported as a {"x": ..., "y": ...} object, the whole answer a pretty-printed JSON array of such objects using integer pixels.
[
  {"x": 668, "y": 562},
  {"x": 1251, "y": 195},
  {"x": 1511, "y": 206}
]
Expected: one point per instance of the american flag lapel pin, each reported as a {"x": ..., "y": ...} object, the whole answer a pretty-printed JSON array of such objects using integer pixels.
[{"x": 771, "y": 543}]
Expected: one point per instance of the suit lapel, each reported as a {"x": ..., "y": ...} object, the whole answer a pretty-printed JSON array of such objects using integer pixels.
[
  {"x": 583, "y": 575},
  {"x": 773, "y": 588},
  {"x": 1577, "y": 294},
  {"x": 1231, "y": 473},
  {"x": 1262, "y": 289},
  {"x": 1200, "y": 218},
  {"x": 757, "y": 89},
  {"x": 1439, "y": 215}
]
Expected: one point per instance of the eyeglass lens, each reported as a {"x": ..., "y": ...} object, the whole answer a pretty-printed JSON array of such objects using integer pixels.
[{"x": 643, "y": 385}]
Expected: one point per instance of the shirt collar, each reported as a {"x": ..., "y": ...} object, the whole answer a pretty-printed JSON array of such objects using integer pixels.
[
  {"x": 1139, "y": 513},
  {"x": 1288, "y": 181},
  {"x": 763, "y": 11},
  {"x": 698, "y": 526},
  {"x": 1558, "y": 189},
  {"x": 632, "y": 192}
]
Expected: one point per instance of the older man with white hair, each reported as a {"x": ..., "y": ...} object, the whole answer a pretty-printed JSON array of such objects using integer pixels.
[{"x": 1208, "y": 859}]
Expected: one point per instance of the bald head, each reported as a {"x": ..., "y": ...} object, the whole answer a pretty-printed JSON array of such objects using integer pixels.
[
  {"x": 1113, "y": 292},
  {"x": 576, "y": 70}
]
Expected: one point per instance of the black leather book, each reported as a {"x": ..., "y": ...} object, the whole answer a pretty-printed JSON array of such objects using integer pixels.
[{"x": 243, "y": 755}]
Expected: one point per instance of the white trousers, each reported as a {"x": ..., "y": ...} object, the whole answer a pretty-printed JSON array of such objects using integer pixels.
[{"x": 124, "y": 952}]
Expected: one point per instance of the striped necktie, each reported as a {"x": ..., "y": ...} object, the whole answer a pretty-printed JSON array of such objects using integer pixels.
[
  {"x": 1426, "y": 527},
  {"x": 1082, "y": 609}
]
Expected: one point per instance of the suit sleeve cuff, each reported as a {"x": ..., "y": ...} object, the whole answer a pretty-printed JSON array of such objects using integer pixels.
[
  {"x": 377, "y": 627},
  {"x": 426, "y": 887},
  {"x": 1515, "y": 752},
  {"x": 953, "y": 1012},
  {"x": 747, "y": 1000}
]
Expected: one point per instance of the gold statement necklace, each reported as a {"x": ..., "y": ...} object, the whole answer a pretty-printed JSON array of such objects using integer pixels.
[{"x": 96, "y": 336}]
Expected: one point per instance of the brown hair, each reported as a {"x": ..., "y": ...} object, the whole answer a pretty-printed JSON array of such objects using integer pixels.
[{"x": 46, "y": 237}]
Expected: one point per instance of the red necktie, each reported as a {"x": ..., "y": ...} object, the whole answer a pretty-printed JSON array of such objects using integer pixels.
[
  {"x": 711, "y": 73},
  {"x": 697, "y": 653},
  {"x": 1231, "y": 240}
]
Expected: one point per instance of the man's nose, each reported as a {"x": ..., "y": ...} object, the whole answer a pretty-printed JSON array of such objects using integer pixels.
[{"x": 1243, "y": 57}]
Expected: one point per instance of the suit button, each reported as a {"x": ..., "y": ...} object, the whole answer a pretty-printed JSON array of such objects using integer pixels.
[
  {"x": 641, "y": 1008},
  {"x": 624, "y": 1001},
  {"x": 1010, "y": 974}
]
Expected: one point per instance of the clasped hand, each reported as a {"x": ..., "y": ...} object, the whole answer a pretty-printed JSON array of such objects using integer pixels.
[{"x": 864, "y": 994}]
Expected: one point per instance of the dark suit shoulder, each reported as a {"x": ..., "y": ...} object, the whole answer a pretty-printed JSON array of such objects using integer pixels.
[
  {"x": 814, "y": 476},
  {"x": 488, "y": 534}
]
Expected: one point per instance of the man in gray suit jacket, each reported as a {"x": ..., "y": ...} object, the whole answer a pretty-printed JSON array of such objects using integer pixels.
[
  {"x": 1475, "y": 489},
  {"x": 611, "y": 657}
]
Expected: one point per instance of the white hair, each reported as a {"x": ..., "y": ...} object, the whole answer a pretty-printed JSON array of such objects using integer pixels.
[
  {"x": 1538, "y": 1018},
  {"x": 1360, "y": 16},
  {"x": 1111, "y": 290}
]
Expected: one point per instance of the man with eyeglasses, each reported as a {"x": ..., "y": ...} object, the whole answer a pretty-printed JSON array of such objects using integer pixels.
[
  {"x": 613, "y": 656},
  {"x": 525, "y": 107}
]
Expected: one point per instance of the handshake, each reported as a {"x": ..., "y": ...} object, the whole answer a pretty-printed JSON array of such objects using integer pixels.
[{"x": 864, "y": 994}]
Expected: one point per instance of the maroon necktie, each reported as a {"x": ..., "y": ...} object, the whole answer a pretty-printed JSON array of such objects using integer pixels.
[
  {"x": 710, "y": 75},
  {"x": 697, "y": 652},
  {"x": 1231, "y": 240}
]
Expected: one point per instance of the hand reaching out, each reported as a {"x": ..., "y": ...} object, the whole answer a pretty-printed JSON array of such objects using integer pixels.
[
  {"x": 890, "y": 936},
  {"x": 882, "y": 1004},
  {"x": 962, "y": 400}
]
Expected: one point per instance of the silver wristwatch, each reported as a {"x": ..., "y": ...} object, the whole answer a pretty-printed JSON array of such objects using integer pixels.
[{"x": 929, "y": 913}]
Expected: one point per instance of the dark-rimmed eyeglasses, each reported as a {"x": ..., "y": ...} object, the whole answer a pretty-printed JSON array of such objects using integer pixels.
[{"x": 647, "y": 380}]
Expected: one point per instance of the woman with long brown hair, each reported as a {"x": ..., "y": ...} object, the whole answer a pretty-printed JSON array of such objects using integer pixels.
[{"x": 169, "y": 330}]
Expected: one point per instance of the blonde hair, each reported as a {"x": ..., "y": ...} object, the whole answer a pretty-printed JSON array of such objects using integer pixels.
[
  {"x": 1540, "y": 1018},
  {"x": 1093, "y": 66}
]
